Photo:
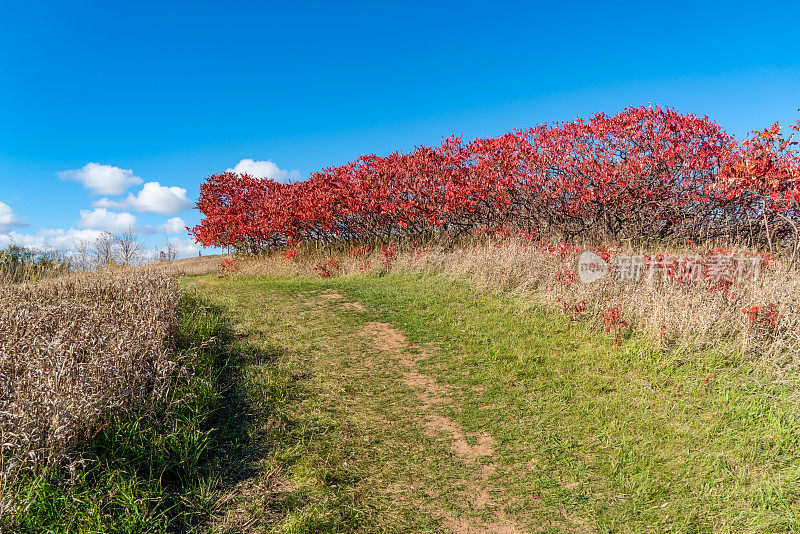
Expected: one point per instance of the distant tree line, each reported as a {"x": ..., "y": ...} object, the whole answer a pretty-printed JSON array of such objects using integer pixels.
[{"x": 19, "y": 263}]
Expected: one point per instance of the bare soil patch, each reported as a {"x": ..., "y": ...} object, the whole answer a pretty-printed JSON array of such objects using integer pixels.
[
  {"x": 386, "y": 338},
  {"x": 352, "y": 306},
  {"x": 330, "y": 295}
]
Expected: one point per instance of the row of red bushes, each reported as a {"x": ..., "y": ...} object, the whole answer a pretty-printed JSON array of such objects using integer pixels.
[{"x": 645, "y": 173}]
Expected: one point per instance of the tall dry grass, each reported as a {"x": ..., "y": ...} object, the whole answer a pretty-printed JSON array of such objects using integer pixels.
[
  {"x": 684, "y": 317},
  {"x": 19, "y": 264},
  {"x": 193, "y": 266},
  {"x": 688, "y": 317},
  {"x": 73, "y": 352}
]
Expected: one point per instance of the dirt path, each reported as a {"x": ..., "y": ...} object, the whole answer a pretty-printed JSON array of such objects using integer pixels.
[
  {"x": 479, "y": 456},
  {"x": 480, "y": 493},
  {"x": 363, "y": 437},
  {"x": 504, "y": 418}
]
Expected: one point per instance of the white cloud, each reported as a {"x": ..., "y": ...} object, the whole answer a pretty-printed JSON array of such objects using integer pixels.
[
  {"x": 52, "y": 239},
  {"x": 8, "y": 219},
  {"x": 108, "y": 221},
  {"x": 153, "y": 197},
  {"x": 175, "y": 225},
  {"x": 102, "y": 179},
  {"x": 107, "y": 203},
  {"x": 264, "y": 169},
  {"x": 185, "y": 248},
  {"x": 73, "y": 240},
  {"x": 160, "y": 199}
]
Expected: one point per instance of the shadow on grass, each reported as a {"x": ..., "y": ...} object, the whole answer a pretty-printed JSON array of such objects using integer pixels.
[
  {"x": 255, "y": 421},
  {"x": 156, "y": 469},
  {"x": 269, "y": 432},
  {"x": 236, "y": 420},
  {"x": 222, "y": 441}
]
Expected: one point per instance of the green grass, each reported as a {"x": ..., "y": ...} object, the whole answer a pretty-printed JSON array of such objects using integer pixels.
[
  {"x": 300, "y": 424},
  {"x": 626, "y": 438},
  {"x": 590, "y": 436},
  {"x": 149, "y": 471},
  {"x": 309, "y": 456}
]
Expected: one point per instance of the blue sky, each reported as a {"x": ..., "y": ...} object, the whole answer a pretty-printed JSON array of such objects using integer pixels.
[{"x": 176, "y": 91}]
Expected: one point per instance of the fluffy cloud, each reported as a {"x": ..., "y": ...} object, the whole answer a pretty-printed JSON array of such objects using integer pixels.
[
  {"x": 175, "y": 225},
  {"x": 160, "y": 199},
  {"x": 185, "y": 248},
  {"x": 73, "y": 240},
  {"x": 153, "y": 197},
  {"x": 264, "y": 169},
  {"x": 102, "y": 179},
  {"x": 108, "y": 221},
  {"x": 8, "y": 219},
  {"x": 52, "y": 239}
]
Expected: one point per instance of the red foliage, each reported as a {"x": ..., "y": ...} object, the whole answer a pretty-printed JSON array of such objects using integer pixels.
[
  {"x": 573, "y": 309},
  {"x": 764, "y": 315},
  {"x": 645, "y": 173},
  {"x": 389, "y": 253},
  {"x": 329, "y": 268},
  {"x": 613, "y": 321},
  {"x": 228, "y": 266},
  {"x": 762, "y": 181},
  {"x": 565, "y": 277}
]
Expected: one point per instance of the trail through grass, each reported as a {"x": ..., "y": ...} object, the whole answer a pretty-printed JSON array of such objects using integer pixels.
[{"x": 408, "y": 403}]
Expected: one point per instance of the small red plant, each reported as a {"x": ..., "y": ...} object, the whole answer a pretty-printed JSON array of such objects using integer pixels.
[
  {"x": 613, "y": 322},
  {"x": 608, "y": 251},
  {"x": 565, "y": 277},
  {"x": 560, "y": 250},
  {"x": 573, "y": 309},
  {"x": 228, "y": 266},
  {"x": 766, "y": 316},
  {"x": 328, "y": 268},
  {"x": 364, "y": 267},
  {"x": 389, "y": 253}
]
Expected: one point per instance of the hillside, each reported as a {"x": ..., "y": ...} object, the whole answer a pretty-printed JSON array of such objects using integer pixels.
[{"x": 411, "y": 403}]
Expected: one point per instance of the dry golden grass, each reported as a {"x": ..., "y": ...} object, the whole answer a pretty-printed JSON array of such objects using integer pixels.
[
  {"x": 75, "y": 350},
  {"x": 193, "y": 266},
  {"x": 687, "y": 317},
  {"x": 22, "y": 265},
  {"x": 684, "y": 317}
]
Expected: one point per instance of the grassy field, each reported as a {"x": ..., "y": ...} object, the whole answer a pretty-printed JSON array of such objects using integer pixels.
[{"x": 411, "y": 403}]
